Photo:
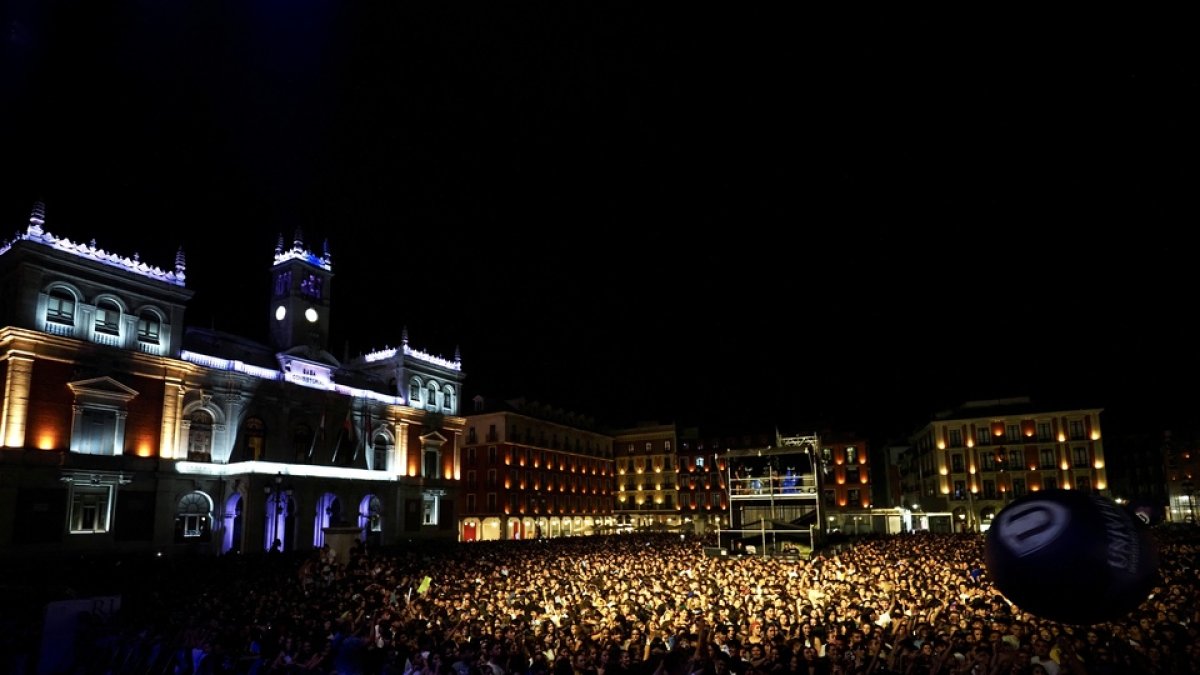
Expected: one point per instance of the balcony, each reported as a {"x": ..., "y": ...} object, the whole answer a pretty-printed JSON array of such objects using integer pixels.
[{"x": 803, "y": 486}]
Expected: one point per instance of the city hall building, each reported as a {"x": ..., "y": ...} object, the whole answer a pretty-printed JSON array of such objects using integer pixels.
[{"x": 123, "y": 429}]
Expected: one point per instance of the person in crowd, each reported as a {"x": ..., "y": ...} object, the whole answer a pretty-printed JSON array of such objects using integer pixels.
[{"x": 913, "y": 604}]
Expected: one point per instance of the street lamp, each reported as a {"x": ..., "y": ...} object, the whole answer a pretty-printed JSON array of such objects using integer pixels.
[{"x": 277, "y": 496}]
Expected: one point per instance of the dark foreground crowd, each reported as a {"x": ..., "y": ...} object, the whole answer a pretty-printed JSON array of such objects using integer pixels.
[{"x": 914, "y": 604}]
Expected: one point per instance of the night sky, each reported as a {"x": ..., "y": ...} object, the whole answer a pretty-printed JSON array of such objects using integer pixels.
[{"x": 731, "y": 216}]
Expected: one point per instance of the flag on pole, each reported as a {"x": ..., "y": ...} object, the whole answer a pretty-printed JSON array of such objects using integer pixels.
[
  {"x": 320, "y": 433},
  {"x": 366, "y": 431},
  {"x": 347, "y": 430},
  {"x": 424, "y": 587}
]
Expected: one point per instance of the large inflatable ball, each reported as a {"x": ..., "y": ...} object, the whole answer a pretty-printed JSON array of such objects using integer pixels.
[{"x": 1071, "y": 556}]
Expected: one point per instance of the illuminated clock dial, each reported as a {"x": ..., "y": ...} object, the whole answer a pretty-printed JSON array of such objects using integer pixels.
[
  {"x": 280, "y": 312},
  {"x": 311, "y": 315}
]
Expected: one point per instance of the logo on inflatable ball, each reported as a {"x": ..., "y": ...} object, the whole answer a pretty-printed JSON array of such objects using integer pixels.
[{"x": 1071, "y": 556}]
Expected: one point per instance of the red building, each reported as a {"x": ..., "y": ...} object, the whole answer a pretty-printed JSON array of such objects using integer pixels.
[{"x": 530, "y": 470}]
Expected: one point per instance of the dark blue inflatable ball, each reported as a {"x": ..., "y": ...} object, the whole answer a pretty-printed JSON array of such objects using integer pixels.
[
  {"x": 1070, "y": 556},
  {"x": 1146, "y": 512}
]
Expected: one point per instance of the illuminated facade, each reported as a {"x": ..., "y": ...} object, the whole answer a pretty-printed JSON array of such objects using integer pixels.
[
  {"x": 703, "y": 481},
  {"x": 531, "y": 471},
  {"x": 647, "y": 478},
  {"x": 847, "y": 494},
  {"x": 1181, "y": 462},
  {"x": 122, "y": 430},
  {"x": 973, "y": 460}
]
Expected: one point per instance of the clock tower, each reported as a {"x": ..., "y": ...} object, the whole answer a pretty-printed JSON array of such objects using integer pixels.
[{"x": 300, "y": 296}]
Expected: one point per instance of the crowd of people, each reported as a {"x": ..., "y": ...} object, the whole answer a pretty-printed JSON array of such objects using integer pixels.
[{"x": 914, "y": 604}]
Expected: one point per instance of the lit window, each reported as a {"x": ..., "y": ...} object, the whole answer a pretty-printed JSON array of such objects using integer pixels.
[
  {"x": 200, "y": 436},
  {"x": 90, "y": 508},
  {"x": 60, "y": 307},
  {"x": 429, "y": 509},
  {"x": 149, "y": 328},
  {"x": 382, "y": 450},
  {"x": 96, "y": 433},
  {"x": 108, "y": 317},
  {"x": 374, "y": 515},
  {"x": 193, "y": 517}
]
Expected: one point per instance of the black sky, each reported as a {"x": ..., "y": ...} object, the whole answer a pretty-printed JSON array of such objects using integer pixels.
[{"x": 744, "y": 215}]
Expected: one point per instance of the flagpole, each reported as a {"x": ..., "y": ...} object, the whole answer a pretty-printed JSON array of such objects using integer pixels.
[
  {"x": 319, "y": 432},
  {"x": 347, "y": 428},
  {"x": 366, "y": 432}
]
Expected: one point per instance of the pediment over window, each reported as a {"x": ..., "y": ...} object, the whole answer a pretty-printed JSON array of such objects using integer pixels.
[
  {"x": 101, "y": 391},
  {"x": 432, "y": 438}
]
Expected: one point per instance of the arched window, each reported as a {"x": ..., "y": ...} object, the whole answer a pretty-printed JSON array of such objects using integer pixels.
[
  {"x": 382, "y": 450},
  {"x": 431, "y": 403},
  {"x": 108, "y": 317},
  {"x": 200, "y": 436},
  {"x": 448, "y": 399},
  {"x": 329, "y": 512},
  {"x": 370, "y": 515},
  {"x": 149, "y": 327},
  {"x": 60, "y": 307},
  {"x": 414, "y": 392},
  {"x": 255, "y": 434},
  {"x": 193, "y": 517}
]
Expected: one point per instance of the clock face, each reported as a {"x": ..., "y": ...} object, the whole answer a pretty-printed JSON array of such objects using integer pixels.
[
  {"x": 280, "y": 312},
  {"x": 311, "y": 315}
]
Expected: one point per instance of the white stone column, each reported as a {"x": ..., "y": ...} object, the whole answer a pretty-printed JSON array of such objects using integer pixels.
[
  {"x": 172, "y": 406},
  {"x": 119, "y": 434},
  {"x": 458, "y": 455},
  {"x": 402, "y": 447},
  {"x": 15, "y": 414},
  {"x": 76, "y": 427}
]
